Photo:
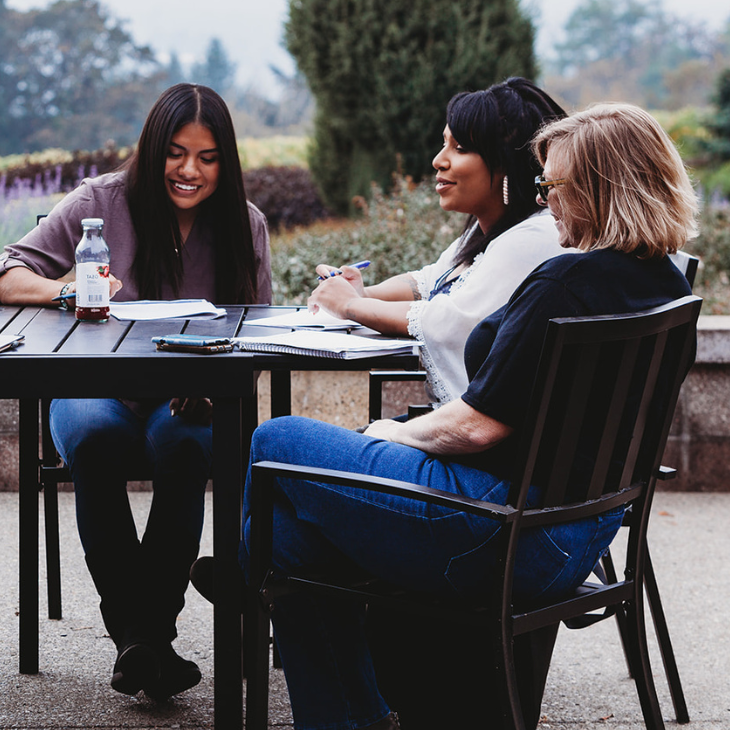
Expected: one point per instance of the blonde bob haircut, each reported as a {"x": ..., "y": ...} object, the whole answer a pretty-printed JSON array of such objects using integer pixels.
[{"x": 627, "y": 187}]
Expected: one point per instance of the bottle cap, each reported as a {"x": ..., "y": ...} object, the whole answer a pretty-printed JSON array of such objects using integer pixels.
[{"x": 92, "y": 222}]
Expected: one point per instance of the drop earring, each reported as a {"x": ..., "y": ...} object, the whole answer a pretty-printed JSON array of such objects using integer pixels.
[{"x": 505, "y": 191}]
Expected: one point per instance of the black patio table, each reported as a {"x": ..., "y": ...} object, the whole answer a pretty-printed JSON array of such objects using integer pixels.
[{"x": 63, "y": 358}]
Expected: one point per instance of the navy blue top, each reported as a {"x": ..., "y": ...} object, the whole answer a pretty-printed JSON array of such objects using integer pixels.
[{"x": 502, "y": 352}]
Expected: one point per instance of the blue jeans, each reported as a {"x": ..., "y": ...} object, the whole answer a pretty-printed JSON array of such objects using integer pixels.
[
  {"x": 322, "y": 643},
  {"x": 99, "y": 440}
]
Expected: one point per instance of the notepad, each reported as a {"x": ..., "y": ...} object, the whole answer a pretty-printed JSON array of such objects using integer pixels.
[
  {"x": 326, "y": 344},
  {"x": 304, "y": 319},
  {"x": 146, "y": 309}
]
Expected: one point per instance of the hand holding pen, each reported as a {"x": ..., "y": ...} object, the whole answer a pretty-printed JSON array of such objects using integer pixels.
[
  {"x": 339, "y": 272},
  {"x": 336, "y": 287}
]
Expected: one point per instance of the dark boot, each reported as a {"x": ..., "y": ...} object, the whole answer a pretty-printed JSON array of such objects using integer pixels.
[
  {"x": 176, "y": 675},
  {"x": 117, "y": 575},
  {"x": 167, "y": 567}
]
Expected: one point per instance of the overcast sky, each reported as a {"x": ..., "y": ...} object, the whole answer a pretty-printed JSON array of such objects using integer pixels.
[{"x": 251, "y": 30}]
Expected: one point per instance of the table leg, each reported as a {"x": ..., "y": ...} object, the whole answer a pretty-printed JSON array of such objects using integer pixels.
[
  {"x": 233, "y": 423},
  {"x": 280, "y": 393},
  {"x": 28, "y": 535}
]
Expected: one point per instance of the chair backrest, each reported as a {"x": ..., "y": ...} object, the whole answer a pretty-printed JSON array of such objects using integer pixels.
[
  {"x": 687, "y": 264},
  {"x": 602, "y": 406}
]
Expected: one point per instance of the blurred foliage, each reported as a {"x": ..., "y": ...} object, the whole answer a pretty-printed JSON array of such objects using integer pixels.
[
  {"x": 382, "y": 73},
  {"x": 71, "y": 75},
  {"x": 286, "y": 195},
  {"x": 275, "y": 151},
  {"x": 637, "y": 51},
  {"x": 19, "y": 215},
  {"x": 713, "y": 248},
  {"x": 718, "y": 145},
  {"x": 399, "y": 231}
]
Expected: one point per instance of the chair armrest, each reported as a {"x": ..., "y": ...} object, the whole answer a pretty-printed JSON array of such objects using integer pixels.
[{"x": 499, "y": 512}]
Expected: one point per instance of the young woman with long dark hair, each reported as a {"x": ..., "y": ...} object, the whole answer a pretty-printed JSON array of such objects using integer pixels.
[{"x": 178, "y": 225}]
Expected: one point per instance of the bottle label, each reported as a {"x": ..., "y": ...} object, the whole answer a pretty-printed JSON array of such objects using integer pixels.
[{"x": 92, "y": 285}]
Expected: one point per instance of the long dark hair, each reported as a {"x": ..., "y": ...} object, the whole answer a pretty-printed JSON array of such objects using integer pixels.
[
  {"x": 498, "y": 124},
  {"x": 153, "y": 214}
]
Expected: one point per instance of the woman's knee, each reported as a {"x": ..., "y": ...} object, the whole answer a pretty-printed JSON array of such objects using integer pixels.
[
  {"x": 90, "y": 428},
  {"x": 291, "y": 438}
]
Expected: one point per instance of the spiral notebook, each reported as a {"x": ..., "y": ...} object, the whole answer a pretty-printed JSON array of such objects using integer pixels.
[{"x": 326, "y": 344}]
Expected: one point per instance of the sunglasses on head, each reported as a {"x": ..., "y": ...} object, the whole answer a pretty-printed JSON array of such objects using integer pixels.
[{"x": 543, "y": 186}]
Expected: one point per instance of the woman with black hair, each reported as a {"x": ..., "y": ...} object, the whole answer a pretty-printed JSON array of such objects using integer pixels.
[
  {"x": 178, "y": 225},
  {"x": 485, "y": 169}
]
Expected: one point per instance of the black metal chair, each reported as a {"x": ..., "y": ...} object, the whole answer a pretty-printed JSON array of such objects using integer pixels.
[
  {"x": 630, "y": 368},
  {"x": 688, "y": 265}
]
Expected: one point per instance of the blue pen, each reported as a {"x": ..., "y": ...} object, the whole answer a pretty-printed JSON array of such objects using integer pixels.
[
  {"x": 358, "y": 265},
  {"x": 65, "y": 296}
]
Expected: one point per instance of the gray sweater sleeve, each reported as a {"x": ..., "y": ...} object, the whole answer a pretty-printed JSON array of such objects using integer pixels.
[{"x": 260, "y": 236}]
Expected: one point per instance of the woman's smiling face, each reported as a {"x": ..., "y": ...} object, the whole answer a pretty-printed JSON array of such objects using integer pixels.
[
  {"x": 192, "y": 166},
  {"x": 465, "y": 184}
]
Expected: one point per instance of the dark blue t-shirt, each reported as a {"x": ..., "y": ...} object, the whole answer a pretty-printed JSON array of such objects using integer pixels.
[{"x": 502, "y": 352}]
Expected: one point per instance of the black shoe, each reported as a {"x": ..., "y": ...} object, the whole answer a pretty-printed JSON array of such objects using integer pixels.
[
  {"x": 176, "y": 675},
  {"x": 203, "y": 574},
  {"x": 137, "y": 666}
]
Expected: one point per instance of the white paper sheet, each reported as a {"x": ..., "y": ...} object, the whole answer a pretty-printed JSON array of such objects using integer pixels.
[
  {"x": 304, "y": 319},
  {"x": 144, "y": 309}
]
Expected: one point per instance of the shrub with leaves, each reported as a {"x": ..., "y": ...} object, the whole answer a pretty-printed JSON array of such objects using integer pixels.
[
  {"x": 287, "y": 196},
  {"x": 398, "y": 232},
  {"x": 713, "y": 248}
]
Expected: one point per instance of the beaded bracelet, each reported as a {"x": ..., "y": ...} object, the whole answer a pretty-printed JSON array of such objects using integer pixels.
[{"x": 63, "y": 303}]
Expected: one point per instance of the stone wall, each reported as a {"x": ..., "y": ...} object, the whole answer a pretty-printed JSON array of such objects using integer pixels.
[{"x": 699, "y": 445}]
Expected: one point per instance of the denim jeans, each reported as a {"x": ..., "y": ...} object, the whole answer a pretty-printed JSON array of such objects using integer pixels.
[
  {"x": 322, "y": 643},
  {"x": 141, "y": 582},
  {"x": 99, "y": 439}
]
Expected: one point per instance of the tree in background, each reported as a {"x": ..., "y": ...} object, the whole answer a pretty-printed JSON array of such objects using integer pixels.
[
  {"x": 69, "y": 75},
  {"x": 382, "y": 72},
  {"x": 217, "y": 71},
  {"x": 174, "y": 73},
  {"x": 635, "y": 51},
  {"x": 719, "y": 121}
]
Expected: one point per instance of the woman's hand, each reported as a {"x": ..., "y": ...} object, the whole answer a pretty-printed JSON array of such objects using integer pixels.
[
  {"x": 196, "y": 410},
  {"x": 349, "y": 273},
  {"x": 455, "y": 428},
  {"x": 333, "y": 295},
  {"x": 386, "y": 429},
  {"x": 114, "y": 285}
]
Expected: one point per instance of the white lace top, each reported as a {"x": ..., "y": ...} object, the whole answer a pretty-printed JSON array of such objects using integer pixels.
[{"x": 443, "y": 323}]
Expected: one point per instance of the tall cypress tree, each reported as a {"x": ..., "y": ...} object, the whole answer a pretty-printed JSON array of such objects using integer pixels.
[{"x": 382, "y": 72}]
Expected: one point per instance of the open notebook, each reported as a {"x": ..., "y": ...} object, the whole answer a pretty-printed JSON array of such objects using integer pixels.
[{"x": 325, "y": 344}]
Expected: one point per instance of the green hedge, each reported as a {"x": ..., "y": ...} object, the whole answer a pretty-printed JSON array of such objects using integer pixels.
[{"x": 398, "y": 232}]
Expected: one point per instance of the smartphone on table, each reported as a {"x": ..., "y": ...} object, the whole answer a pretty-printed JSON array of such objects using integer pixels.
[{"x": 194, "y": 343}]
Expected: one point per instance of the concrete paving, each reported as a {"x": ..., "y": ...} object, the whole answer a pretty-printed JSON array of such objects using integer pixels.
[{"x": 588, "y": 687}]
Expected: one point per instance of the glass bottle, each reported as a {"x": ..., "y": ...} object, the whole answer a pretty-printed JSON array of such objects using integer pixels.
[{"x": 92, "y": 273}]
